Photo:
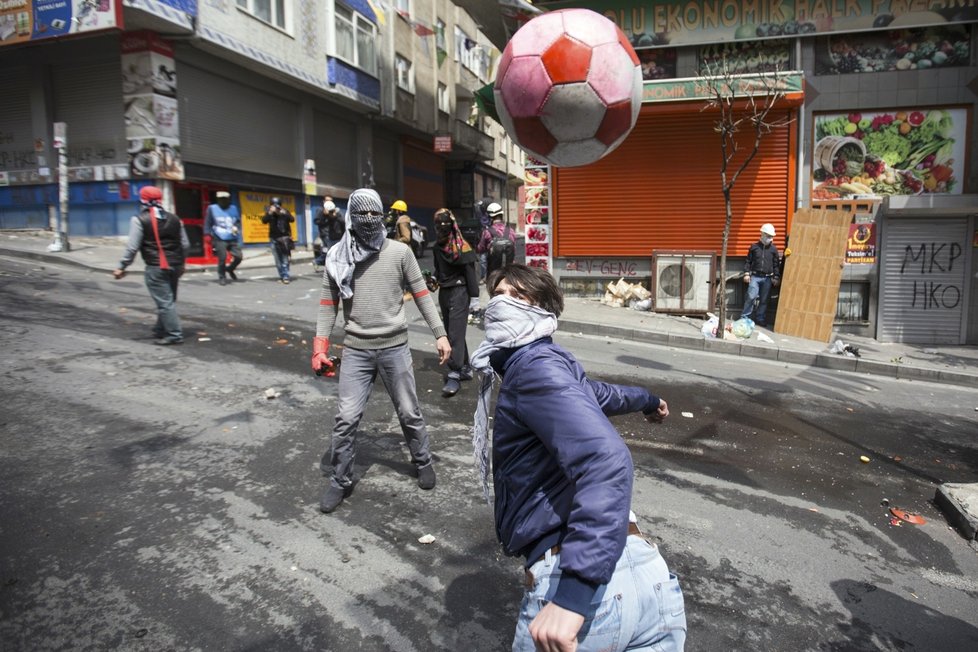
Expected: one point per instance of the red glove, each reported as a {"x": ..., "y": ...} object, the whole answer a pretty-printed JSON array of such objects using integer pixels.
[{"x": 320, "y": 361}]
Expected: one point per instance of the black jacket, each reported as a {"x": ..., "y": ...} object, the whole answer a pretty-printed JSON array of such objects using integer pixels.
[
  {"x": 170, "y": 230},
  {"x": 763, "y": 260},
  {"x": 278, "y": 224},
  {"x": 329, "y": 229}
]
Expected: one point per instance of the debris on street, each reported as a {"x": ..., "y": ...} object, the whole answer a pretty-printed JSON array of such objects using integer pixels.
[
  {"x": 622, "y": 293},
  {"x": 426, "y": 539},
  {"x": 909, "y": 517},
  {"x": 271, "y": 393}
]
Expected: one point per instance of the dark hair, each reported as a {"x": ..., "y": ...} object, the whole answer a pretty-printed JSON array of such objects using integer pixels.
[
  {"x": 443, "y": 215},
  {"x": 533, "y": 282}
]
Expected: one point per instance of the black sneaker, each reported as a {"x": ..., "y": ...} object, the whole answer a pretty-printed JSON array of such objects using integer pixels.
[
  {"x": 222, "y": 281},
  {"x": 331, "y": 499},
  {"x": 466, "y": 373},
  {"x": 451, "y": 388},
  {"x": 164, "y": 341},
  {"x": 426, "y": 476},
  {"x": 234, "y": 277}
]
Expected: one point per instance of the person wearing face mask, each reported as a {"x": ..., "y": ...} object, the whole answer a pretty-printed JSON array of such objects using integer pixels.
[
  {"x": 562, "y": 477},
  {"x": 369, "y": 274},
  {"x": 761, "y": 271},
  {"x": 455, "y": 270}
]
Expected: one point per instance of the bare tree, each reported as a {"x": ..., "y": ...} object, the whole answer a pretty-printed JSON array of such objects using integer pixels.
[{"x": 745, "y": 106}]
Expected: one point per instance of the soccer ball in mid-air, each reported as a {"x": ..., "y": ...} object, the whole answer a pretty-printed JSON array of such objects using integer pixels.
[{"x": 569, "y": 87}]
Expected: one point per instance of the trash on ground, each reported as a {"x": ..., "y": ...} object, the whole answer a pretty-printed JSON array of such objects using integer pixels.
[
  {"x": 688, "y": 415},
  {"x": 709, "y": 327},
  {"x": 271, "y": 393},
  {"x": 742, "y": 328},
  {"x": 864, "y": 459},
  {"x": 203, "y": 339},
  {"x": 885, "y": 502},
  {"x": 909, "y": 517},
  {"x": 841, "y": 348},
  {"x": 426, "y": 539},
  {"x": 622, "y": 293},
  {"x": 763, "y": 337}
]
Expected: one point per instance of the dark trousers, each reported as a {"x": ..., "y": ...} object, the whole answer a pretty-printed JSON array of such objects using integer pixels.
[
  {"x": 221, "y": 249},
  {"x": 454, "y": 303}
]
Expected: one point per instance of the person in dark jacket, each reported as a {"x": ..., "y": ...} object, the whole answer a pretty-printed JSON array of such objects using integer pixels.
[
  {"x": 762, "y": 270},
  {"x": 458, "y": 280},
  {"x": 562, "y": 478},
  {"x": 162, "y": 241},
  {"x": 331, "y": 227},
  {"x": 279, "y": 221}
]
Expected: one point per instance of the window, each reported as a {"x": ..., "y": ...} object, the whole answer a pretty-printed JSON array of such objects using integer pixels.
[
  {"x": 853, "y": 303},
  {"x": 356, "y": 39},
  {"x": 405, "y": 74},
  {"x": 440, "y": 35},
  {"x": 444, "y": 101},
  {"x": 404, "y": 7},
  {"x": 270, "y": 11},
  {"x": 470, "y": 54}
]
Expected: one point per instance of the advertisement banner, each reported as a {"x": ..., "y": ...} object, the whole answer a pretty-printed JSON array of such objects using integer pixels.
[
  {"x": 33, "y": 20},
  {"x": 149, "y": 91},
  {"x": 660, "y": 23},
  {"x": 861, "y": 245},
  {"x": 253, "y": 206},
  {"x": 909, "y": 151}
]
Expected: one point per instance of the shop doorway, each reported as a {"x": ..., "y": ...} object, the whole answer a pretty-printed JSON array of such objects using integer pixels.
[{"x": 191, "y": 201}]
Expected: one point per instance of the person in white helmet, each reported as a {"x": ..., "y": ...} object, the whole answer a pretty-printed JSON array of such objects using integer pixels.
[{"x": 761, "y": 271}]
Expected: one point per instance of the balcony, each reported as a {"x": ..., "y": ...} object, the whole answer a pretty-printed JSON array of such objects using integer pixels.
[{"x": 469, "y": 143}]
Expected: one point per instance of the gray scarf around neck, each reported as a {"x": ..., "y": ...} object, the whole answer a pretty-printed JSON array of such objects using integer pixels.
[{"x": 510, "y": 323}]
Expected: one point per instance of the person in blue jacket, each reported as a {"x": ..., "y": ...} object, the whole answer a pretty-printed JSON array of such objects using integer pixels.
[
  {"x": 223, "y": 223},
  {"x": 562, "y": 478}
]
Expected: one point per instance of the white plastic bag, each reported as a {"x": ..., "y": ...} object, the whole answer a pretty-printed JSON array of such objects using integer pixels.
[
  {"x": 709, "y": 328},
  {"x": 743, "y": 327}
]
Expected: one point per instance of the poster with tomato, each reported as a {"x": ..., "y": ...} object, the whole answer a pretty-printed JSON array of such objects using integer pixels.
[{"x": 910, "y": 151}]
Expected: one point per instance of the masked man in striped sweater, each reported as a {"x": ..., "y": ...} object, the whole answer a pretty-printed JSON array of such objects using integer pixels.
[{"x": 369, "y": 273}]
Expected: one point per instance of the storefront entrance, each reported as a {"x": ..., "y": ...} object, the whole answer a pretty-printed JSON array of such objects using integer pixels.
[{"x": 191, "y": 201}]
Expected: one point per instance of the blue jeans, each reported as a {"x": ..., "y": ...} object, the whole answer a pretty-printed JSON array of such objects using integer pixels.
[
  {"x": 759, "y": 287},
  {"x": 162, "y": 286},
  {"x": 357, "y": 374},
  {"x": 282, "y": 260},
  {"x": 641, "y": 608}
]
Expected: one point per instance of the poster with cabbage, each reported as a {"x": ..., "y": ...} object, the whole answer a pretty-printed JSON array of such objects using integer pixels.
[{"x": 910, "y": 151}]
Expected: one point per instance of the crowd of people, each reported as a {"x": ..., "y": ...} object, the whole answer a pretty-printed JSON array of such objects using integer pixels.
[{"x": 554, "y": 469}]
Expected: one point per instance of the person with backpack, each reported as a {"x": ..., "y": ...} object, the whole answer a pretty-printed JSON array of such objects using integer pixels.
[{"x": 498, "y": 240}]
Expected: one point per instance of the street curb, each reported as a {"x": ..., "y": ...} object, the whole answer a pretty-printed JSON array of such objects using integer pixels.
[
  {"x": 953, "y": 500},
  {"x": 789, "y": 356}
]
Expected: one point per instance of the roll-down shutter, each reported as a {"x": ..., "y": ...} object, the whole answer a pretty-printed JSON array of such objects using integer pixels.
[
  {"x": 661, "y": 190},
  {"x": 227, "y": 124},
  {"x": 88, "y": 99},
  {"x": 336, "y": 150},
  {"x": 923, "y": 281},
  {"x": 424, "y": 183}
]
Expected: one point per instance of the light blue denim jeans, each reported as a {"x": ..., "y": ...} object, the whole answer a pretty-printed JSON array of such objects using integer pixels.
[
  {"x": 357, "y": 374},
  {"x": 282, "y": 261},
  {"x": 641, "y": 608}
]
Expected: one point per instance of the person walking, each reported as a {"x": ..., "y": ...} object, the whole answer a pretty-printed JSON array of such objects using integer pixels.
[
  {"x": 401, "y": 222},
  {"x": 222, "y": 223},
  {"x": 160, "y": 238},
  {"x": 458, "y": 280},
  {"x": 762, "y": 270},
  {"x": 279, "y": 221},
  {"x": 563, "y": 483},
  {"x": 498, "y": 241},
  {"x": 331, "y": 227},
  {"x": 370, "y": 273}
]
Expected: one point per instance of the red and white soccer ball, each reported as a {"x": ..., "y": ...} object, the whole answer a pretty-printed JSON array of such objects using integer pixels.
[{"x": 569, "y": 87}]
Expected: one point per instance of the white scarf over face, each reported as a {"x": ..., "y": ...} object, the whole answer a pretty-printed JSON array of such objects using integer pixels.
[
  {"x": 364, "y": 236},
  {"x": 510, "y": 323}
]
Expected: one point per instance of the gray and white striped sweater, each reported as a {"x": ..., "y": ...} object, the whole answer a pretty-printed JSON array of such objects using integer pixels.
[{"x": 374, "y": 315}]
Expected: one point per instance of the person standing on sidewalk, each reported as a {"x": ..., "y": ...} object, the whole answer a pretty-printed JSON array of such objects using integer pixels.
[
  {"x": 223, "y": 223},
  {"x": 563, "y": 483},
  {"x": 162, "y": 241},
  {"x": 279, "y": 222},
  {"x": 331, "y": 227},
  {"x": 370, "y": 273},
  {"x": 761, "y": 271},
  {"x": 458, "y": 280}
]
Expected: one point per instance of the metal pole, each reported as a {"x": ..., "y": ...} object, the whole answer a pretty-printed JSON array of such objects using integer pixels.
[{"x": 60, "y": 142}]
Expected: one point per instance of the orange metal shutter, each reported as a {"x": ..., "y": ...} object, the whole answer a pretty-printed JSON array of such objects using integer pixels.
[
  {"x": 661, "y": 190},
  {"x": 424, "y": 182}
]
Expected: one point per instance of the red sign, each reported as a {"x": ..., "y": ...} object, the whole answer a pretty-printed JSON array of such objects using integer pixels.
[{"x": 443, "y": 143}]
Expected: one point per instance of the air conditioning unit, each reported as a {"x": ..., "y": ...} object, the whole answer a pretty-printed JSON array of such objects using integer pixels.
[{"x": 683, "y": 281}]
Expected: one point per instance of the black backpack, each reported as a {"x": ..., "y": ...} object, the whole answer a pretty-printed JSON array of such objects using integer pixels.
[{"x": 501, "y": 249}]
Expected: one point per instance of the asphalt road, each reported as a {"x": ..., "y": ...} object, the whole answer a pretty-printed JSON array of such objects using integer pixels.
[{"x": 154, "y": 498}]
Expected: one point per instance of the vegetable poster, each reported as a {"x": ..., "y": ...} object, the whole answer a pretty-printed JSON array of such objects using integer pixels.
[{"x": 903, "y": 152}]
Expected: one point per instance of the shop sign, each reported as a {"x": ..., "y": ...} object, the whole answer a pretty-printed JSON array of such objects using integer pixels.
[
  {"x": 908, "y": 151},
  {"x": 33, "y": 20},
  {"x": 680, "y": 90},
  {"x": 660, "y": 23},
  {"x": 443, "y": 144},
  {"x": 253, "y": 206}
]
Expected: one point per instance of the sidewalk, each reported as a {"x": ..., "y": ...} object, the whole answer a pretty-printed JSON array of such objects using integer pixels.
[{"x": 957, "y": 365}]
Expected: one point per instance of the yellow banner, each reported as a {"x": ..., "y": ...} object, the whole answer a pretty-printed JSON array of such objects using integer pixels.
[{"x": 253, "y": 206}]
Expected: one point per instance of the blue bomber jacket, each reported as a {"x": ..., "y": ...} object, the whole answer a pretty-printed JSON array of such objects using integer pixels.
[{"x": 561, "y": 472}]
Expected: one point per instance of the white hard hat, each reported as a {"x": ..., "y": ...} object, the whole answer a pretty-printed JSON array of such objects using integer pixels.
[
  {"x": 768, "y": 229},
  {"x": 494, "y": 209}
]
